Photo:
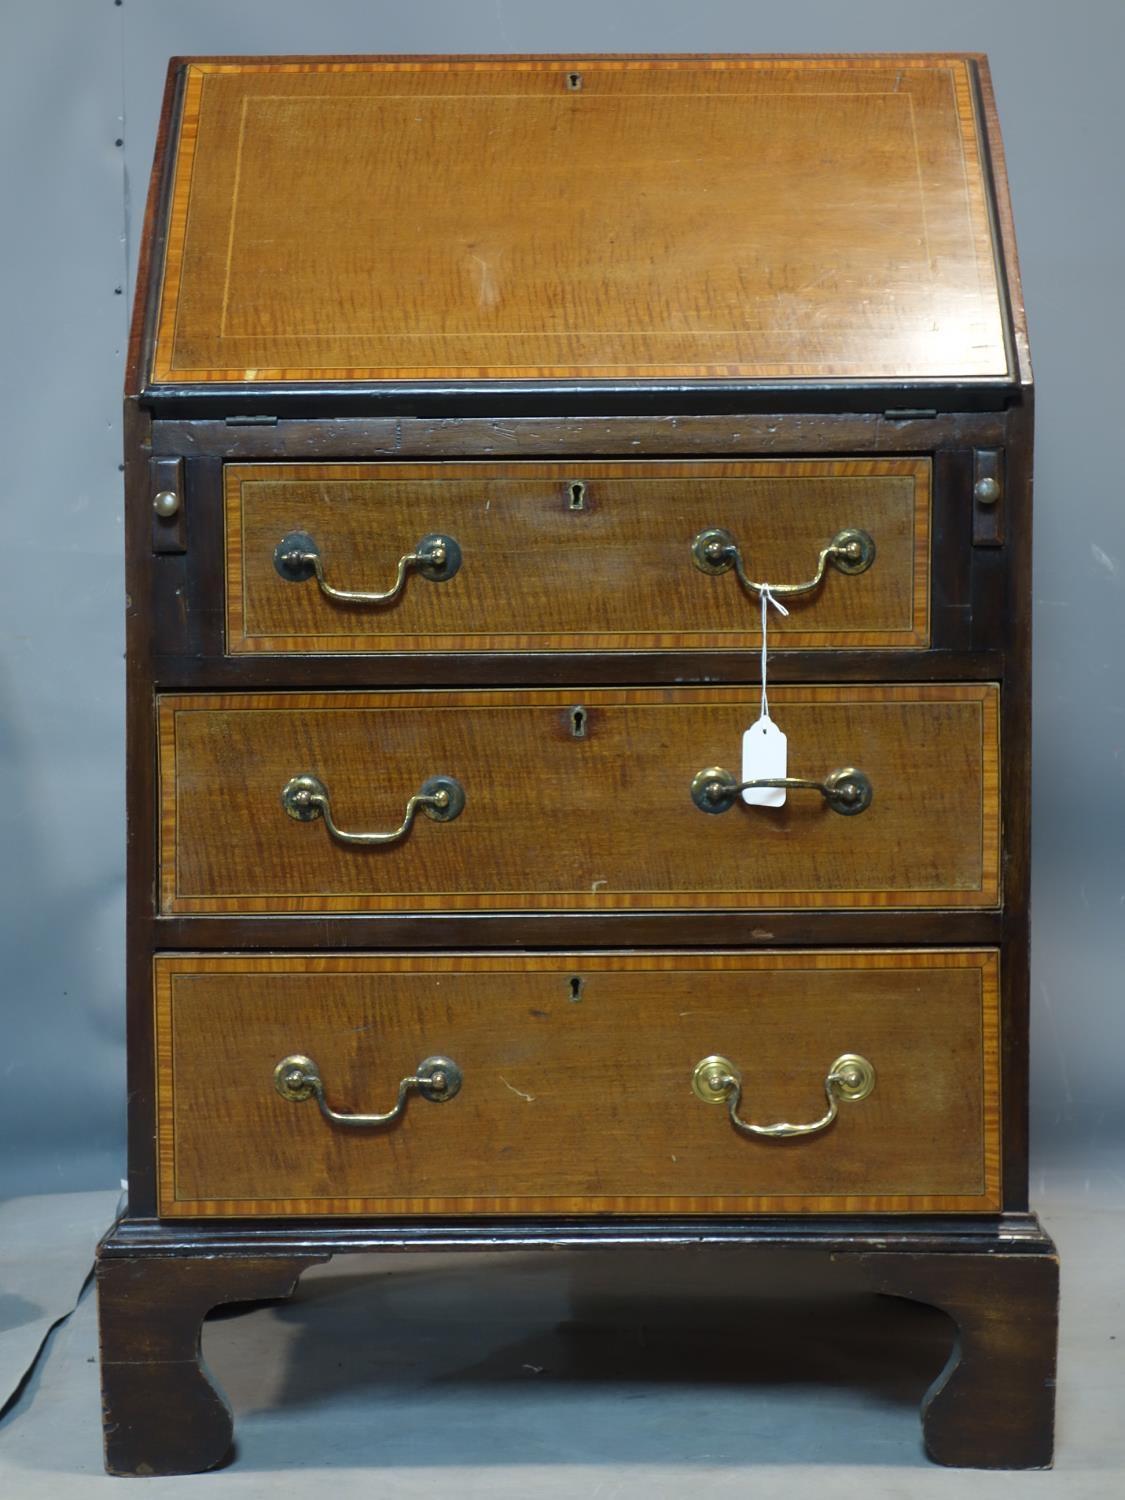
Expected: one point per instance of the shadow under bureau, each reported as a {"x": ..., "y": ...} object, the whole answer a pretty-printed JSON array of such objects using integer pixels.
[{"x": 507, "y": 439}]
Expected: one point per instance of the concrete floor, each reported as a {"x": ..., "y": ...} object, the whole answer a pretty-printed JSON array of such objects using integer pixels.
[{"x": 487, "y": 1378}]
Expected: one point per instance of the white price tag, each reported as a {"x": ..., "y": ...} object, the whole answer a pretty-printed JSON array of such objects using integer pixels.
[{"x": 765, "y": 755}]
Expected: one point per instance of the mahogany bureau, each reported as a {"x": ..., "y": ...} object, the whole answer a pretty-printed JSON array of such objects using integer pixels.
[{"x": 482, "y": 414}]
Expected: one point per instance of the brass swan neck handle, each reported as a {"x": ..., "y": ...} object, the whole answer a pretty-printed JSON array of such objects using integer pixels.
[
  {"x": 716, "y": 1080},
  {"x": 297, "y": 557},
  {"x": 715, "y": 551},
  {"x": 846, "y": 791},
  {"x": 306, "y": 798},
  {"x": 297, "y": 1078}
]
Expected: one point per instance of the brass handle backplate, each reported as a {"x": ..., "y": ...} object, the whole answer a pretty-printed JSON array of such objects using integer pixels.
[
  {"x": 846, "y": 791},
  {"x": 297, "y": 558},
  {"x": 306, "y": 797},
  {"x": 716, "y": 1080},
  {"x": 715, "y": 551},
  {"x": 297, "y": 1078}
]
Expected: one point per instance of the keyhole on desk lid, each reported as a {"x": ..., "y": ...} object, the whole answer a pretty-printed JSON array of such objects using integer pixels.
[
  {"x": 574, "y": 81},
  {"x": 577, "y": 985},
  {"x": 578, "y": 722},
  {"x": 577, "y": 495}
]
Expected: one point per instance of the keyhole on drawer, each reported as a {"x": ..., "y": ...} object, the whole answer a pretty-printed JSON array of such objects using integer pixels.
[
  {"x": 577, "y": 494},
  {"x": 574, "y": 81},
  {"x": 578, "y": 723},
  {"x": 577, "y": 985}
]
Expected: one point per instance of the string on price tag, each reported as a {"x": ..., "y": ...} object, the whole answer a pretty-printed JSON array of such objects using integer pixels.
[
  {"x": 767, "y": 599},
  {"x": 765, "y": 749}
]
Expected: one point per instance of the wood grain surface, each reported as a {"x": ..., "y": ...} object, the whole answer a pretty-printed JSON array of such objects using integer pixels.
[
  {"x": 602, "y": 218},
  {"x": 551, "y": 821},
  {"x": 540, "y": 573},
  {"x": 577, "y": 1083}
]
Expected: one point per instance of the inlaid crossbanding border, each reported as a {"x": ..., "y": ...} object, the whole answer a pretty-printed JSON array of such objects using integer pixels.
[
  {"x": 914, "y": 634},
  {"x": 984, "y": 355},
  {"x": 985, "y": 961},
  {"x": 985, "y": 696}
]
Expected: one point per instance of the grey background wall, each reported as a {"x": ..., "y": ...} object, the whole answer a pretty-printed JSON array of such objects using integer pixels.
[{"x": 80, "y": 88}]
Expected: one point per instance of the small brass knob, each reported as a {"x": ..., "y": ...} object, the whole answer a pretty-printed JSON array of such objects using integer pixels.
[
  {"x": 166, "y": 503},
  {"x": 986, "y": 491}
]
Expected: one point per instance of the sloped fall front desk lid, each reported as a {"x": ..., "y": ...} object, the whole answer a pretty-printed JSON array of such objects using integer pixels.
[{"x": 647, "y": 219}]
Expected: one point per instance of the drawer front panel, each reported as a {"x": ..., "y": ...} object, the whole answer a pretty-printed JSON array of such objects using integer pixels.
[
  {"x": 576, "y": 1092},
  {"x": 575, "y": 557},
  {"x": 576, "y": 801}
]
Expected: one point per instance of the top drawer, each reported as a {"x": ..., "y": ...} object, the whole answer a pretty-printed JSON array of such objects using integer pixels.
[{"x": 576, "y": 557}]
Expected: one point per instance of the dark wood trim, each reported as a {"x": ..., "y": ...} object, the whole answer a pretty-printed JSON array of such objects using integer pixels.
[
  {"x": 138, "y": 359},
  {"x": 570, "y": 930},
  {"x": 188, "y": 598},
  {"x": 992, "y": 145},
  {"x": 141, "y": 814},
  {"x": 209, "y": 670},
  {"x": 490, "y": 437},
  {"x": 579, "y": 398},
  {"x": 1001, "y": 1234},
  {"x": 1002, "y": 610},
  {"x": 991, "y": 202},
  {"x": 951, "y": 563}
]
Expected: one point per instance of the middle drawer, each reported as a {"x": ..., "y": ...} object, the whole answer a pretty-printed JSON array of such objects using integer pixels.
[{"x": 536, "y": 800}]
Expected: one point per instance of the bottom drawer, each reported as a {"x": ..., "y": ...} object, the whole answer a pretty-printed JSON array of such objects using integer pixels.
[{"x": 575, "y": 1085}]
